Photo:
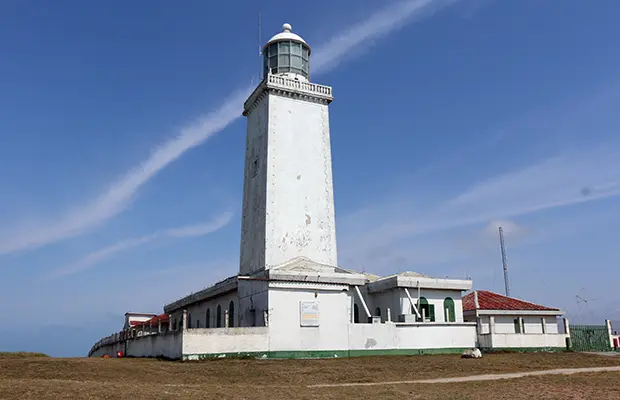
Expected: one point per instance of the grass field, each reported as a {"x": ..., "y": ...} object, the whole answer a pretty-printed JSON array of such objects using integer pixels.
[{"x": 29, "y": 377}]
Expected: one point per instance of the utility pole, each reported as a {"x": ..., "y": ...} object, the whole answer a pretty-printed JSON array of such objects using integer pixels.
[{"x": 501, "y": 242}]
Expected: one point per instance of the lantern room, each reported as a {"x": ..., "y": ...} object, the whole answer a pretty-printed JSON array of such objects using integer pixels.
[{"x": 287, "y": 54}]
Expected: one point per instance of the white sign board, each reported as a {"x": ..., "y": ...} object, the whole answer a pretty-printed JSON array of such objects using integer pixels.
[{"x": 309, "y": 313}]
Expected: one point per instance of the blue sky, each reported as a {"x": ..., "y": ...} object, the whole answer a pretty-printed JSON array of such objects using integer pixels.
[{"x": 121, "y": 149}]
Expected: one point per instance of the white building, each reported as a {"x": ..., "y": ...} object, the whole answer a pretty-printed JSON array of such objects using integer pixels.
[
  {"x": 513, "y": 324},
  {"x": 290, "y": 298}
]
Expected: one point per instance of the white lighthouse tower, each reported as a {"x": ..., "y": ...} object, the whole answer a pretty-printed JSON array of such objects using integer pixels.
[{"x": 288, "y": 198}]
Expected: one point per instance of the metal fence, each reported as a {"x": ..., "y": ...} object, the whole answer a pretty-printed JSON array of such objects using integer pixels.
[{"x": 589, "y": 338}]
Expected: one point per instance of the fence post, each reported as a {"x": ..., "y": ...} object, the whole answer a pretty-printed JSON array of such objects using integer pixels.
[
  {"x": 569, "y": 343},
  {"x": 609, "y": 335}
]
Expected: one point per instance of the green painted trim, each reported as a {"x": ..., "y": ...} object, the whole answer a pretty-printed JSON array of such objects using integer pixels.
[
  {"x": 322, "y": 353},
  {"x": 523, "y": 349},
  {"x": 404, "y": 352},
  {"x": 309, "y": 354}
]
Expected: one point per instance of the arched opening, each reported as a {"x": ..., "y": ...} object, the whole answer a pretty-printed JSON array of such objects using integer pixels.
[
  {"x": 231, "y": 314},
  {"x": 189, "y": 320},
  {"x": 426, "y": 310},
  {"x": 218, "y": 317},
  {"x": 356, "y": 314},
  {"x": 208, "y": 319},
  {"x": 448, "y": 309},
  {"x": 377, "y": 312}
]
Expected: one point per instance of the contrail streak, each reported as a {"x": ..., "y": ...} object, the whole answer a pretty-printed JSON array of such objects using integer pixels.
[{"x": 122, "y": 192}]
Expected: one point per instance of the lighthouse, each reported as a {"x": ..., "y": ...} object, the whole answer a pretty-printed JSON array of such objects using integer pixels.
[{"x": 288, "y": 195}]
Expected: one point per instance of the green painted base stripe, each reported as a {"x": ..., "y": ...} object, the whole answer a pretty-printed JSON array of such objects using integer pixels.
[
  {"x": 323, "y": 353},
  {"x": 404, "y": 352},
  {"x": 522, "y": 349}
]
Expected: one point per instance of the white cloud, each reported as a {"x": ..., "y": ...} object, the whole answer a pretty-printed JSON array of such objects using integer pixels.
[
  {"x": 122, "y": 192},
  {"x": 558, "y": 181},
  {"x": 384, "y": 22},
  {"x": 509, "y": 227},
  {"x": 97, "y": 256}
]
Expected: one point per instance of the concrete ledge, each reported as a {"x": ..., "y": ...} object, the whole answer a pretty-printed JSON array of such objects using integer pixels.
[
  {"x": 398, "y": 281},
  {"x": 218, "y": 289}
]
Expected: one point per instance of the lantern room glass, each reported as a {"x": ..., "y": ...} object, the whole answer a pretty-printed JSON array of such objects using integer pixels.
[{"x": 287, "y": 56}]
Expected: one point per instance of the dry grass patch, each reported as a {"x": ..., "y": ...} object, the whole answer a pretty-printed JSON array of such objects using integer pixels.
[{"x": 96, "y": 378}]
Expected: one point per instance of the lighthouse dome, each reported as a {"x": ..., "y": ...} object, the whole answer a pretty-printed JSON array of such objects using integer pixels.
[{"x": 287, "y": 53}]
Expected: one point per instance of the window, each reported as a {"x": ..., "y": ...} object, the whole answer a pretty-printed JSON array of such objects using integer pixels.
[
  {"x": 231, "y": 314},
  {"x": 377, "y": 312},
  {"x": 426, "y": 310},
  {"x": 218, "y": 317},
  {"x": 517, "y": 325},
  {"x": 189, "y": 320},
  {"x": 208, "y": 319},
  {"x": 254, "y": 171},
  {"x": 448, "y": 308},
  {"x": 296, "y": 49},
  {"x": 356, "y": 314},
  {"x": 197, "y": 323}
]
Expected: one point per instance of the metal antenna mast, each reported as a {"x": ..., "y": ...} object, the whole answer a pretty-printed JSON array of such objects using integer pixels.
[
  {"x": 501, "y": 242},
  {"x": 260, "y": 49}
]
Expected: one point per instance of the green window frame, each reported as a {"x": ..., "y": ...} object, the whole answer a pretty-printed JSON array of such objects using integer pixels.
[
  {"x": 449, "y": 310},
  {"x": 429, "y": 309}
]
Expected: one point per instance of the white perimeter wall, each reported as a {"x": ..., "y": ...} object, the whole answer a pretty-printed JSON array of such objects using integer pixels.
[
  {"x": 526, "y": 340},
  {"x": 411, "y": 336},
  {"x": 167, "y": 345},
  {"x": 162, "y": 345},
  {"x": 232, "y": 340}
]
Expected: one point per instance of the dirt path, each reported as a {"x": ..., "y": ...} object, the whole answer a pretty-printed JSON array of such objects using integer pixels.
[{"x": 471, "y": 378}]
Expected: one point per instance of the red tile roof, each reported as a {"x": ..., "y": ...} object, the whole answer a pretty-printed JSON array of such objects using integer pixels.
[
  {"x": 153, "y": 321},
  {"x": 493, "y": 301}
]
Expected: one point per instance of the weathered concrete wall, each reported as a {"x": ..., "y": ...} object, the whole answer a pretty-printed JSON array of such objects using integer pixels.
[
  {"x": 111, "y": 350},
  {"x": 253, "y": 302},
  {"x": 379, "y": 303},
  {"x": 512, "y": 340},
  {"x": 253, "y": 217},
  {"x": 167, "y": 345},
  {"x": 224, "y": 341},
  {"x": 436, "y": 298},
  {"x": 504, "y": 324},
  {"x": 300, "y": 199},
  {"x": 412, "y": 336},
  {"x": 398, "y": 303},
  {"x": 285, "y": 332}
]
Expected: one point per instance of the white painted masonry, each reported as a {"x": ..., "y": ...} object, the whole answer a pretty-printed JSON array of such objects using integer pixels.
[
  {"x": 523, "y": 330},
  {"x": 288, "y": 203}
]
